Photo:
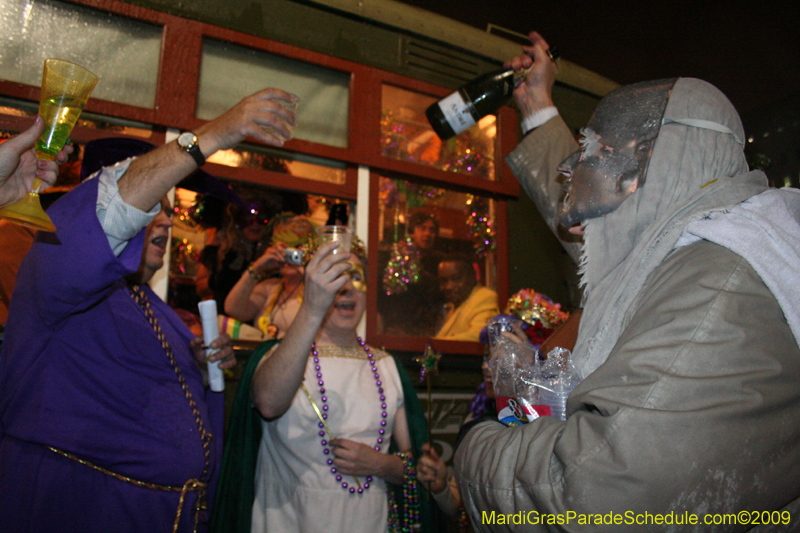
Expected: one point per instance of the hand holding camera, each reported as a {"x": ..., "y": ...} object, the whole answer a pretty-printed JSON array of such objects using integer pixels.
[
  {"x": 272, "y": 260},
  {"x": 269, "y": 262}
]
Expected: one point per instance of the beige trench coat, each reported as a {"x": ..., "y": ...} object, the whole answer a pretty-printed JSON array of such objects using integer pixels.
[{"x": 695, "y": 413}]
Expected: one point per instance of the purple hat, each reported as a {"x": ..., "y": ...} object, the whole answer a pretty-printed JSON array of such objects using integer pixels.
[{"x": 106, "y": 152}]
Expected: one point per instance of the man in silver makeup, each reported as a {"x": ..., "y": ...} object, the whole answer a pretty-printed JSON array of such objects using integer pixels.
[{"x": 688, "y": 344}]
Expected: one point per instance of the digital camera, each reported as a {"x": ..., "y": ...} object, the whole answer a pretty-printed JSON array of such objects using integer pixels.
[{"x": 293, "y": 256}]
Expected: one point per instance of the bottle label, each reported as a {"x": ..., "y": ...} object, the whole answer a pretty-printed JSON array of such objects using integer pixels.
[
  {"x": 456, "y": 112},
  {"x": 515, "y": 412}
]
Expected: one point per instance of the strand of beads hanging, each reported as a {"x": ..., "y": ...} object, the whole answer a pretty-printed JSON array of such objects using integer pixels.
[
  {"x": 410, "y": 520},
  {"x": 325, "y": 408}
]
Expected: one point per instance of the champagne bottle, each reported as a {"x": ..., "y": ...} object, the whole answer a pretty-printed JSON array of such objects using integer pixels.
[
  {"x": 482, "y": 96},
  {"x": 464, "y": 107}
]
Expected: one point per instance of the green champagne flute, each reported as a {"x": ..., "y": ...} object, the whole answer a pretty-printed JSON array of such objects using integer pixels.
[{"x": 66, "y": 88}]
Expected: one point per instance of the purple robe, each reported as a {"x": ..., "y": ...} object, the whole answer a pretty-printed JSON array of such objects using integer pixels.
[{"x": 81, "y": 370}]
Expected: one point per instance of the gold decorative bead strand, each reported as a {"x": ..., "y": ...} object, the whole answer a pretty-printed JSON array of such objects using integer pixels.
[{"x": 140, "y": 297}]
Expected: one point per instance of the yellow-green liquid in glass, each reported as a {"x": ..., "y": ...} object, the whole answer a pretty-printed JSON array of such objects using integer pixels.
[{"x": 60, "y": 116}]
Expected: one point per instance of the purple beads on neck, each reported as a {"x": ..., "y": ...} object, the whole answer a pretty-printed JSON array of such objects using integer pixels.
[{"x": 324, "y": 398}]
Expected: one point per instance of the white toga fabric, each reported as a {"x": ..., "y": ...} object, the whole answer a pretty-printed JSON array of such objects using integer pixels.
[{"x": 295, "y": 489}]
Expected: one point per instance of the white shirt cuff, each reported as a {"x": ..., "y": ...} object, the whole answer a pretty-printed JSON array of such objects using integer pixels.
[
  {"x": 534, "y": 120},
  {"x": 120, "y": 221}
]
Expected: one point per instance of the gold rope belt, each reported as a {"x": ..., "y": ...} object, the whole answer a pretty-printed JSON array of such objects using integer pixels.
[{"x": 192, "y": 485}]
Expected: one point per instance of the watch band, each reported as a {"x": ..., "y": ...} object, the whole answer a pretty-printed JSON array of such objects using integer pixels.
[{"x": 197, "y": 155}]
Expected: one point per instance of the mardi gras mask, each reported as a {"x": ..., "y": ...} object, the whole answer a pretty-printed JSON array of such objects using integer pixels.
[{"x": 357, "y": 277}]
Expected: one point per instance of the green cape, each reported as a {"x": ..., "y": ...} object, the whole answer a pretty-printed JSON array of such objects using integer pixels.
[{"x": 233, "y": 503}]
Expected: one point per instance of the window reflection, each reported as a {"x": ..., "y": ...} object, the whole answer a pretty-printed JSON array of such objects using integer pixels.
[
  {"x": 275, "y": 160},
  {"x": 229, "y": 72},
  {"x": 119, "y": 126},
  {"x": 127, "y": 62},
  {"x": 214, "y": 243},
  {"x": 407, "y": 136},
  {"x": 419, "y": 227}
]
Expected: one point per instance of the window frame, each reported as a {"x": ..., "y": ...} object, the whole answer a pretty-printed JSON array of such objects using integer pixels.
[{"x": 175, "y": 104}]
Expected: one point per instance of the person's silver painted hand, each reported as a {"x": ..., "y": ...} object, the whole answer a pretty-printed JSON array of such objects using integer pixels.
[{"x": 536, "y": 93}]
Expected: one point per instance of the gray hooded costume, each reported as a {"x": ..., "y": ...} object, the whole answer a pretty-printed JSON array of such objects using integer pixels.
[{"x": 688, "y": 341}]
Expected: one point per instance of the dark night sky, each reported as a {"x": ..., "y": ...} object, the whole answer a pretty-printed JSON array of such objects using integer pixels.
[{"x": 750, "y": 51}]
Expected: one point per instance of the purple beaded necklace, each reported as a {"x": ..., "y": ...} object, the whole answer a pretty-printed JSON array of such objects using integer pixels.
[{"x": 381, "y": 431}]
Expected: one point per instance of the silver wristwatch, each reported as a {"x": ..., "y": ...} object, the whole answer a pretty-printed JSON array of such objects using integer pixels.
[{"x": 187, "y": 141}]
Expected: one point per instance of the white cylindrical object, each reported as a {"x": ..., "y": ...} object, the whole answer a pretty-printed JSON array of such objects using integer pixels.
[{"x": 208, "y": 317}]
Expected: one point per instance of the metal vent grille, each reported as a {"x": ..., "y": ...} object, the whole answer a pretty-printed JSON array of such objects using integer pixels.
[{"x": 440, "y": 64}]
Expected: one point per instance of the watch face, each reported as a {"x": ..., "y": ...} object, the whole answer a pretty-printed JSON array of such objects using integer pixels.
[{"x": 186, "y": 140}]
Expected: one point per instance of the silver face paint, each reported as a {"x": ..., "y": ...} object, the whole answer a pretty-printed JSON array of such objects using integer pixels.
[{"x": 615, "y": 151}]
